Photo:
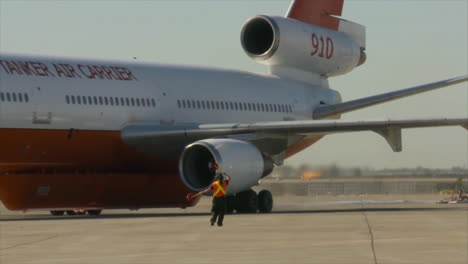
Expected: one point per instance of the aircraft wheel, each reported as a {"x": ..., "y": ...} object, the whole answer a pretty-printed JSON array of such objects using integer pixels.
[
  {"x": 265, "y": 201},
  {"x": 57, "y": 213},
  {"x": 71, "y": 212},
  {"x": 94, "y": 212},
  {"x": 247, "y": 202}
]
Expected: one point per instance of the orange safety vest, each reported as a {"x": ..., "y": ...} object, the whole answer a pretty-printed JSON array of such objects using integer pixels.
[{"x": 219, "y": 189}]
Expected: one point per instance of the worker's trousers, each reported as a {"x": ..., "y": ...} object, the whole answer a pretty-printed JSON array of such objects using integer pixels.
[{"x": 218, "y": 210}]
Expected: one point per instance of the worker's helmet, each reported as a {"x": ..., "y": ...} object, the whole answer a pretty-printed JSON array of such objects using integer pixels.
[{"x": 219, "y": 177}]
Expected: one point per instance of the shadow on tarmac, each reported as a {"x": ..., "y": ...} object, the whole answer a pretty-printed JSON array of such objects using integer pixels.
[{"x": 14, "y": 218}]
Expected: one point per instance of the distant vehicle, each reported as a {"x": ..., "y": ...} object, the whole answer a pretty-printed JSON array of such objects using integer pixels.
[
  {"x": 96, "y": 134},
  {"x": 310, "y": 175}
]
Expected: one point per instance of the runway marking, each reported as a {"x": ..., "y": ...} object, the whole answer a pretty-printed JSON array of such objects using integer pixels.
[
  {"x": 29, "y": 243},
  {"x": 321, "y": 244}
]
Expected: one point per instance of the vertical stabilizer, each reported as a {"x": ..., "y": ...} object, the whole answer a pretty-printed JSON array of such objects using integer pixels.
[
  {"x": 317, "y": 12},
  {"x": 323, "y": 13}
]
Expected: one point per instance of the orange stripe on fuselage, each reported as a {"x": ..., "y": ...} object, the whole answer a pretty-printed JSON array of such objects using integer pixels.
[
  {"x": 57, "y": 169},
  {"x": 88, "y": 169},
  {"x": 65, "y": 150},
  {"x": 317, "y": 12},
  {"x": 51, "y": 190}
]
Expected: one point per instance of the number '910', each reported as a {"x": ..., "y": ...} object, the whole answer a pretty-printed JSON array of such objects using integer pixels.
[{"x": 322, "y": 47}]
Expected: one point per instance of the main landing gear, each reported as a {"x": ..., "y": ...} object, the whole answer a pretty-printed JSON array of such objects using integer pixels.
[
  {"x": 75, "y": 212},
  {"x": 249, "y": 202}
]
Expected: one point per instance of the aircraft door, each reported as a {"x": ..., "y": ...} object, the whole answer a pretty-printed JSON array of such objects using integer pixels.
[
  {"x": 165, "y": 106},
  {"x": 41, "y": 111}
]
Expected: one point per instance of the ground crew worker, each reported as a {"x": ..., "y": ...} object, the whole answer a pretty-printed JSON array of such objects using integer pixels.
[{"x": 219, "y": 189}]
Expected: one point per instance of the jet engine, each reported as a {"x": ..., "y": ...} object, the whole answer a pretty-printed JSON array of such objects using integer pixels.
[
  {"x": 288, "y": 43},
  {"x": 241, "y": 160}
]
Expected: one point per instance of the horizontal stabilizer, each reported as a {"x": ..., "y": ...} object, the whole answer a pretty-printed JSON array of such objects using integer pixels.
[
  {"x": 331, "y": 110},
  {"x": 355, "y": 31}
]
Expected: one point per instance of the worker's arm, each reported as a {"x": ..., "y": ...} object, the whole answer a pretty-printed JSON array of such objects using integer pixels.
[{"x": 207, "y": 190}]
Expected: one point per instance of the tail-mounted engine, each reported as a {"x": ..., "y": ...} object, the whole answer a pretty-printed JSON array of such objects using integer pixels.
[
  {"x": 241, "y": 160},
  {"x": 287, "y": 43}
]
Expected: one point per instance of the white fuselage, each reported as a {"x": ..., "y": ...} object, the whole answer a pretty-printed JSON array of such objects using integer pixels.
[{"x": 55, "y": 88}]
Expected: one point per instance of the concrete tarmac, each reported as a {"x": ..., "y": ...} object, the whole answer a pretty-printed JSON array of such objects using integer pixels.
[{"x": 301, "y": 230}]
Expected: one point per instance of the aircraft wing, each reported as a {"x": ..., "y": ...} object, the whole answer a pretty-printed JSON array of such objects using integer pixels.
[
  {"x": 149, "y": 137},
  {"x": 330, "y": 110}
]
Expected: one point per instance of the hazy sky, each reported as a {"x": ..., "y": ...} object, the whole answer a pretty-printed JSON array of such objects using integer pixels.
[{"x": 408, "y": 43}]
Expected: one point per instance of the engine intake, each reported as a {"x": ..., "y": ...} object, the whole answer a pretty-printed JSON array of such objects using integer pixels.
[
  {"x": 260, "y": 37},
  {"x": 239, "y": 159}
]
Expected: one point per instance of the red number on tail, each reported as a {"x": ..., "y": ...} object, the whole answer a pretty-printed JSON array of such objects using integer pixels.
[
  {"x": 324, "y": 45},
  {"x": 315, "y": 45}
]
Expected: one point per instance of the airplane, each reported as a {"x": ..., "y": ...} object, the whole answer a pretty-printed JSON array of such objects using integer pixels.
[{"x": 83, "y": 135}]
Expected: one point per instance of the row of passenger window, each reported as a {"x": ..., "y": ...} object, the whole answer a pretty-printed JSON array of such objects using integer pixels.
[
  {"x": 14, "y": 97},
  {"x": 105, "y": 100},
  {"x": 236, "y": 106}
]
